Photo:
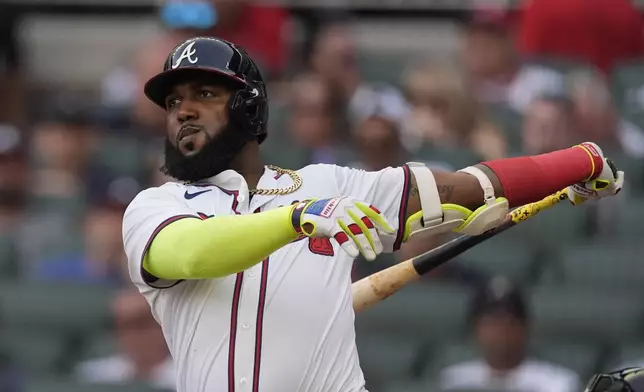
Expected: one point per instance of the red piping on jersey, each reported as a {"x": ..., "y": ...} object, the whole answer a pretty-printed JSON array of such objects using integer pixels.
[
  {"x": 259, "y": 325},
  {"x": 233, "y": 332},
  {"x": 402, "y": 211},
  {"x": 234, "y": 194},
  {"x": 226, "y": 191},
  {"x": 147, "y": 277},
  {"x": 234, "y": 311}
]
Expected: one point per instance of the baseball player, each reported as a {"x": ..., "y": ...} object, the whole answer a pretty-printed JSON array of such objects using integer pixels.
[{"x": 247, "y": 267}]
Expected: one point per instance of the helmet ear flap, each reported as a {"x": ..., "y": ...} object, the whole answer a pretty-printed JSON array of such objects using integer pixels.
[{"x": 248, "y": 109}]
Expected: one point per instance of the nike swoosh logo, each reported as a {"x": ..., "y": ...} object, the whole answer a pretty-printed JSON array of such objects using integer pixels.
[{"x": 189, "y": 196}]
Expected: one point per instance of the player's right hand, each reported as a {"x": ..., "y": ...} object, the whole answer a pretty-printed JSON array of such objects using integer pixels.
[
  {"x": 353, "y": 224},
  {"x": 609, "y": 182}
]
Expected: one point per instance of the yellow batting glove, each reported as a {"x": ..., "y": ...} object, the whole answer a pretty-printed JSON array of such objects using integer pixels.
[{"x": 353, "y": 224}]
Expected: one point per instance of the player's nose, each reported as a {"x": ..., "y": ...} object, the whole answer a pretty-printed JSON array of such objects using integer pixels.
[{"x": 187, "y": 112}]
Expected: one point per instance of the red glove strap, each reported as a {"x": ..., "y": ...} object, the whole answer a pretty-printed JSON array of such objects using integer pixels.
[{"x": 529, "y": 179}]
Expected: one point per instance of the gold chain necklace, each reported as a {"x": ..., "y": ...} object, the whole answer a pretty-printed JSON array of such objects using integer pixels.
[{"x": 297, "y": 183}]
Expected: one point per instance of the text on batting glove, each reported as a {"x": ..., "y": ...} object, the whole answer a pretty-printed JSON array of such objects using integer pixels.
[{"x": 353, "y": 224}]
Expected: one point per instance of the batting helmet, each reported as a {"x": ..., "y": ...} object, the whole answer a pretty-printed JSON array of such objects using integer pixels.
[
  {"x": 625, "y": 380},
  {"x": 224, "y": 62}
]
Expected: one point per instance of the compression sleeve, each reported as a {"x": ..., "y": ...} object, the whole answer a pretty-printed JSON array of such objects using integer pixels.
[{"x": 219, "y": 246}]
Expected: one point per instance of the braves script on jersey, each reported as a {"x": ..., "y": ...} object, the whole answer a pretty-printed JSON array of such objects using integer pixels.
[{"x": 284, "y": 325}]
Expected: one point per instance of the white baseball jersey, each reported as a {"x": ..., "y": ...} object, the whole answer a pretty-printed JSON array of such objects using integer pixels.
[{"x": 284, "y": 325}]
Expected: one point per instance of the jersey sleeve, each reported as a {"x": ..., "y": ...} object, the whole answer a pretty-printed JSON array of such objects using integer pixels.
[
  {"x": 387, "y": 190},
  {"x": 149, "y": 212}
]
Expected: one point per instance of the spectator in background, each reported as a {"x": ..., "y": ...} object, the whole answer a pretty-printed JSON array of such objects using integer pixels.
[
  {"x": 601, "y": 33},
  {"x": 14, "y": 178},
  {"x": 334, "y": 56},
  {"x": 102, "y": 257},
  {"x": 501, "y": 323},
  {"x": 444, "y": 113},
  {"x": 494, "y": 71},
  {"x": 377, "y": 141},
  {"x": 12, "y": 78},
  {"x": 489, "y": 54},
  {"x": 63, "y": 144},
  {"x": 144, "y": 356},
  {"x": 548, "y": 125},
  {"x": 597, "y": 118},
  {"x": 313, "y": 123},
  {"x": 263, "y": 30}
]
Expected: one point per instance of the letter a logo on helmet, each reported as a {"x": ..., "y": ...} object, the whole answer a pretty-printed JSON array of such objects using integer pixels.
[
  {"x": 218, "y": 62},
  {"x": 187, "y": 54}
]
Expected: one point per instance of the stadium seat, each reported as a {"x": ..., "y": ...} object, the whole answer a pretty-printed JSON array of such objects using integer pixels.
[
  {"x": 382, "y": 68},
  {"x": 453, "y": 158},
  {"x": 429, "y": 311},
  {"x": 627, "y": 81},
  {"x": 629, "y": 220},
  {"x": 133, "y": 158},
  {"x": 363, "y": 268},
  {"x": 449, "y": 354},
  {"x": 585, "y": 314},
  {"x": 581, "y": 358},
  {"x": 609, "y": 264},
  {"x": 509, "y": 121},
  {"x": 432, "y": 387},
  {"x": 629, "y": 354},
  {"x": 500, "y": 256},
  {"x": 9, "y": 263},
  {"x": 560, "y": 226},
  {"x": 56, "y": 385},
  {"x": 99, "y": 345},
  {"x": 387, "y": 358},
  {"x": 279, "y": 149},
  {"x": 634, "y": 169},
  {"x": 35, "y": 351},
  {"x": 407, "y": 386},
  {"x": 51, "y": 307}
]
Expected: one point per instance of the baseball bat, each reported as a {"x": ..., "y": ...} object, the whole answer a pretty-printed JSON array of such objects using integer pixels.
[{"x": 375, "y": 288}]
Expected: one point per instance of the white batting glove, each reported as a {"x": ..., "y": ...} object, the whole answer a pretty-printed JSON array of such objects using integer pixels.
[
  {"x": 353, "y": 224},
  {"x": 608, "y": 183}
]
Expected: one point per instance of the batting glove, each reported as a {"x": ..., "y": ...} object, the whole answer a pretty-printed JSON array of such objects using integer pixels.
[
  {"x": 353, "y": 224},
  {"x": 608, "y": 183}
]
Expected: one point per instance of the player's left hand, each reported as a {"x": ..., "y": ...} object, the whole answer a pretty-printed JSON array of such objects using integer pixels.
[
  {"x": 608, "y": 183},
  {"x": 356, "y": 226}
]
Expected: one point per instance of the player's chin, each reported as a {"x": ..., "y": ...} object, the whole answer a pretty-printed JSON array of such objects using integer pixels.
[{"x": 191, "y": 145}]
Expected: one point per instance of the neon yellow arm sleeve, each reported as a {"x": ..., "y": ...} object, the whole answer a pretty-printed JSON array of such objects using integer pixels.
[{"x": 219, "y": 246}]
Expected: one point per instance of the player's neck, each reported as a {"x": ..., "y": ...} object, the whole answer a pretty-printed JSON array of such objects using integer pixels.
[{"x": 249, "y": 164}]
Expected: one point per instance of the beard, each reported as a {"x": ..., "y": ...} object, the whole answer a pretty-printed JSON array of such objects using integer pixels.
[{"x": 214, "y": 157}]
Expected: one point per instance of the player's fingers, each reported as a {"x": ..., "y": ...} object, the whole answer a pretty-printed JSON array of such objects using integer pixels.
[
  {"x": 345, "y": 241},
  {"x": 354, "y": 231},
  {"x": 368, "y": 231},
  {"x": 376, "y": 217}
]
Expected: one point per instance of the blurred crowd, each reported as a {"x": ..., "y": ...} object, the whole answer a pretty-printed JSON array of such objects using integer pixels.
[{"x": 524, "y": 81}]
